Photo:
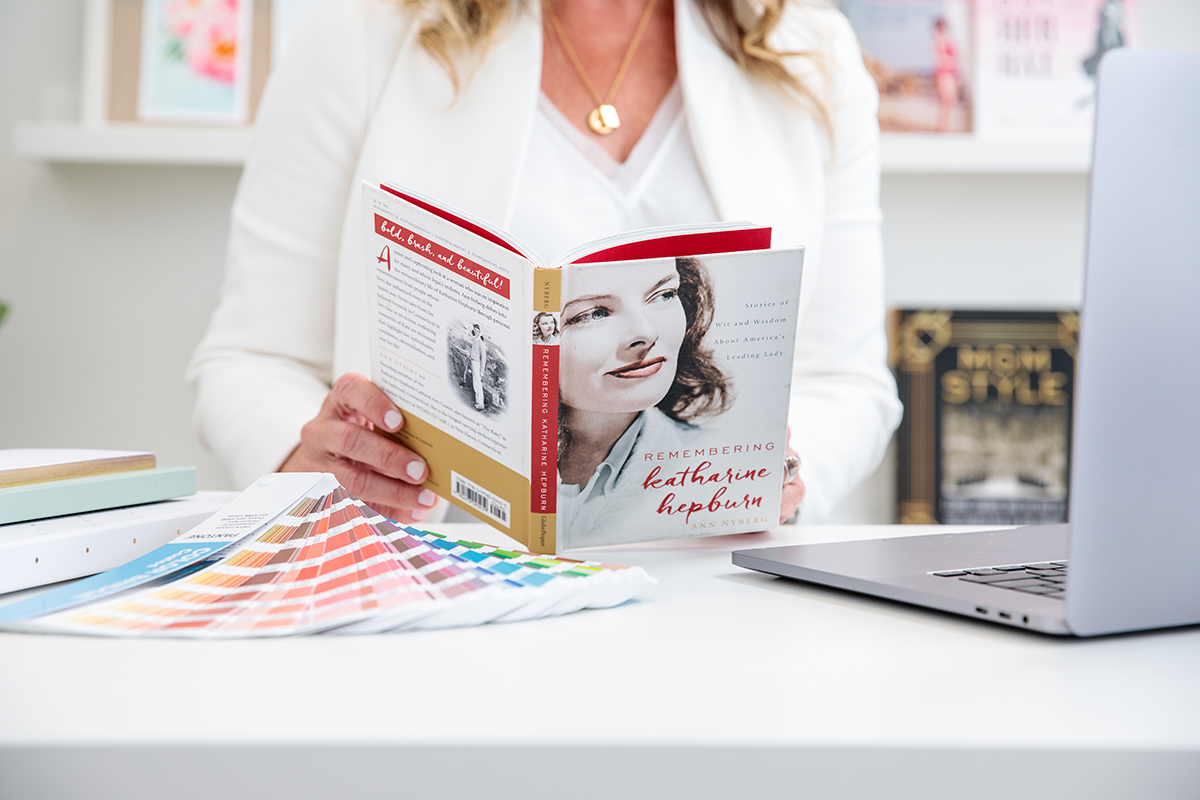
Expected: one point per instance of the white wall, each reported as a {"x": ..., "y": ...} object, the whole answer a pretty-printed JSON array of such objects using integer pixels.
[{"x": 111, "y": 271}]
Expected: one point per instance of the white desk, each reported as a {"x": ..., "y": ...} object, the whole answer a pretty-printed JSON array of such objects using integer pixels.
[{"x": 717, "y": 683}]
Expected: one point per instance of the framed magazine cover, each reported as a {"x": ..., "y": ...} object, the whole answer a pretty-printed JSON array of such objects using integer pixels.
[
  {"x": 986, "y": 433},
  {"x": 1037, "y": 64},
  {"x": 919, "y": 52}
]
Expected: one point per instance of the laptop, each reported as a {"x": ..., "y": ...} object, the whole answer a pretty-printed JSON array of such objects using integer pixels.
[{"x": 1129, "y": 558}]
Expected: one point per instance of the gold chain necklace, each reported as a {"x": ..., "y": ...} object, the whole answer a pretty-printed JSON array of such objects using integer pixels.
[{"x": 603, "y": 119}]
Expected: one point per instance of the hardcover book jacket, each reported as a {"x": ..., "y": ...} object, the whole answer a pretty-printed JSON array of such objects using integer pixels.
[{"x": 634, "y": 389}]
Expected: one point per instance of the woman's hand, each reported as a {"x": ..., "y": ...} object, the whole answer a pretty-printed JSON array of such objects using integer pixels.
[
  {"x": 341, "y": 439},
  {"x": 793, "y": 490}
]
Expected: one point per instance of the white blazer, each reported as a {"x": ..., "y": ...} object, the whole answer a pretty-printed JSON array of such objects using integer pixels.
[{"x": 357, "y": 98}]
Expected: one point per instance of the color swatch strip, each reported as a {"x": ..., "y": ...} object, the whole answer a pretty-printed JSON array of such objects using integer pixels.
[{"x": 332, "y": 564}]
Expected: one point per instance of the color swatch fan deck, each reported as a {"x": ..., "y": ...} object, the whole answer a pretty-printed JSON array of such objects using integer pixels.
[{"x": 319, "y": 561}]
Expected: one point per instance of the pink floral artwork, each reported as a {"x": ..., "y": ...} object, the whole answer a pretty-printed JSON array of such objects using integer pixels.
[
  {"x": 206, "y": 33},
  {"x": 195, "y": 59}
]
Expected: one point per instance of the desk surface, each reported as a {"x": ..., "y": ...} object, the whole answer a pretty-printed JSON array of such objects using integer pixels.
[{"x": 713, "y": 660}]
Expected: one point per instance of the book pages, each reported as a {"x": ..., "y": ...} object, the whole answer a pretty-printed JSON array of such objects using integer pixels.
[{"x": 32, "y": 465}]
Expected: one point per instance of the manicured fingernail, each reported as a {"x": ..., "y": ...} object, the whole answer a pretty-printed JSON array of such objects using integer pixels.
[
  {"x": 427, "y": 498},
  {"x": 417, "y": 514},
  {"x": 392, "y": 419},
  {"x": 415, "y": 469}
]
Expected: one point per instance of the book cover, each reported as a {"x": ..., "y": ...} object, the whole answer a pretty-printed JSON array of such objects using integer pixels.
[
  {"x": 1037, "y": 62},
  {"x": 633, "y": 389},
  {"x": 986, "y": 433},
  {"x": 919, "y": 53}
]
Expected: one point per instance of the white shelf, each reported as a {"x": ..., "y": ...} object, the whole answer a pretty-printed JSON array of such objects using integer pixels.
[
  {"x": 149, "y": 144},
  {"x": 131, "y": 143},
  {"x": 963, "y": 153}
]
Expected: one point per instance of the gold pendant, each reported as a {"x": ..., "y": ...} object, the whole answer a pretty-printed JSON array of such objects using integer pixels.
[{"x": 603, "y": 119}]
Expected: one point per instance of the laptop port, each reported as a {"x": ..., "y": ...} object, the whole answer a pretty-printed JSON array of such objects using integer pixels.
[
  {"x": 1005, "y": 615},
  {"x": 980, "y": 610}
]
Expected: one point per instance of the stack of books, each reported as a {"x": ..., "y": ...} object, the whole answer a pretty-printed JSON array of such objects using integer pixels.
[
  {"x": 66, "y": 512},
  {"x": 52, "y": 482},
  {"x": 297, "y": 554}
]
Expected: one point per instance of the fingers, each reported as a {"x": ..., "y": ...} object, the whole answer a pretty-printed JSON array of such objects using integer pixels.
[
  {"x": 794, "y": 489},
  {"x": 342, "y": 440},
  {"x": 793, "y": 495},
  {"x": 353, "y": 395},
  {"x": 339, "y": 439},
  {"x": 395, "y": 499},
  {"x": 355, "y": 406},
  {"x": 389, "y": 497}
]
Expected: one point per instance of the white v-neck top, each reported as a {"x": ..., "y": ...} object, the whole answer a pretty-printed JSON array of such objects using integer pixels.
[
  {"x": 571, "y": 191},
  {"x": 357, "y": 98}
]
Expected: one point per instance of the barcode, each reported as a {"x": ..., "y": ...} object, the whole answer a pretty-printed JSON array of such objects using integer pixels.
[{"x": 479, "y": 498}]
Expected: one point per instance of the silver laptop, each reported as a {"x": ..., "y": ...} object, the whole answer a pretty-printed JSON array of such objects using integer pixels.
[{"x": 1129, "y": 559}]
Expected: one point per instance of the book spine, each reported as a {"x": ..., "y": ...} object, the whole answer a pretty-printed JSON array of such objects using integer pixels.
[{"x": 544, "y": 462}]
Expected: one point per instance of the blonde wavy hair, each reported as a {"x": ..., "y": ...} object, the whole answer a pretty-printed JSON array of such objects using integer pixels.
[{"x": 452, "y": 28}]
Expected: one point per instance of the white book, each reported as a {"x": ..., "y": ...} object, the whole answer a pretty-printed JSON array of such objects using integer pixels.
[{"x": 50, "y": 550}]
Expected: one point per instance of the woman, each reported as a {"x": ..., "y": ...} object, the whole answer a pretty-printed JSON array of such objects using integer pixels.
[
  {"x": 484, "y": 105},
  {"x": 945, "y": 73},
  {"x": 633, "y": 377},
  {"x": 478, "y": 361},
  {"x": 545, "y": 328}
]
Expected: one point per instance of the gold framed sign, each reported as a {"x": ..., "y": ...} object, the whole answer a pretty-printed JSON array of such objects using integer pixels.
[{"x": 986, "y": 434}]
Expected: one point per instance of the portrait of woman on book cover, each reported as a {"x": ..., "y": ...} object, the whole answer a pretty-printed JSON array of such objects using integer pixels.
[
  {"x": 545, "y": 328},
  {"x": 635, "y": 378}
]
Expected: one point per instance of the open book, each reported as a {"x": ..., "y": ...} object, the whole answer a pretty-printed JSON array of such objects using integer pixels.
[{"x": 635, "y": 388}]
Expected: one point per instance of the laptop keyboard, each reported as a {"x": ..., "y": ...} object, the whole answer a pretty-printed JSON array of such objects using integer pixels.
[{"x": 1047, "y": 578}]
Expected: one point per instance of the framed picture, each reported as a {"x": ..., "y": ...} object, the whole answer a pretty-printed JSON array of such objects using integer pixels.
[
  {"x": 194, "y": 60},
  {"x": 986, "y": 434},
  {"x": 919, "y": 54},
  {"x": 1037, "y": 64},
  {"x": 175, "y": 61}
]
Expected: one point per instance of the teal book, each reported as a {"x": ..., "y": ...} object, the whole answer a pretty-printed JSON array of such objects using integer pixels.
[{"x": 56, "y": 498}]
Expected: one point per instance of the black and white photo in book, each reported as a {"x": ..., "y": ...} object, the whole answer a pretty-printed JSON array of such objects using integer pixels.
[
  {"x": 663, "y": 367},
  {"x": 477, "y": 367}
]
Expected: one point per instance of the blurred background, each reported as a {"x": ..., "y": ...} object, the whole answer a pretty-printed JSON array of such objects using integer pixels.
[{"x": 111, "y": 250}]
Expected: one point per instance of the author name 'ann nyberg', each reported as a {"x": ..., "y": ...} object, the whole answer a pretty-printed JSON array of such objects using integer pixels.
[{"x": 707, "y": 490}]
